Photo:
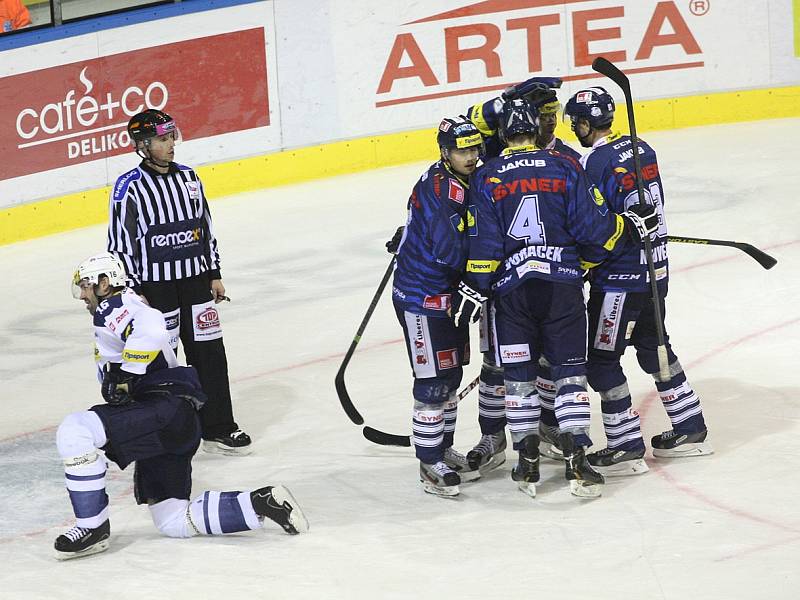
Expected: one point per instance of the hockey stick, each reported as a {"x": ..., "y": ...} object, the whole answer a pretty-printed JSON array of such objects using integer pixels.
[
  {"x": 341, "y": 389},
  {"x": 761, "y": 257},
  {"x": 604, "y": 67},
  {"x": 390, "y": 439}
]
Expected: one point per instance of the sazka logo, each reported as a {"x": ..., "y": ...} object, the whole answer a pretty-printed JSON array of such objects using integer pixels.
[{"x": 483, "y": 46}]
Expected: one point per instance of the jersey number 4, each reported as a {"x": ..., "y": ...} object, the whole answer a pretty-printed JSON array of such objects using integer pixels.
[{"x": 526, "y": 225}]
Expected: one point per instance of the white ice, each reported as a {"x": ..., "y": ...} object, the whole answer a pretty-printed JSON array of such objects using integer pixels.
[{"x": 301, "y": 264}]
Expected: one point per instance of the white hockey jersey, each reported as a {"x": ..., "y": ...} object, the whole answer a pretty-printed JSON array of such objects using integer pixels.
[{"x": 128, "y": 332}]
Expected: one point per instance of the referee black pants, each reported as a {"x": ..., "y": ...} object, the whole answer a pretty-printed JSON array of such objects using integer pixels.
[{"x": 207, "y": 356}]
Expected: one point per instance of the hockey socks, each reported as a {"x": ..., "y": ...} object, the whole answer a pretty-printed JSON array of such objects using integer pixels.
[
  {"x": 427, "y": 428},
  {"x": 214, "y": 513},
  {"x": 522, "y": 410},
  {"x": 86, "y": 483},
  {"x": 621, "y": 422},
  {"x": 681, "y": 402}
]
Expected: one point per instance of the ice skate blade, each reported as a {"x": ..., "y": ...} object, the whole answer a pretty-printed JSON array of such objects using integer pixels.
[
  {"x": 623, "y": 469},
  {"x": 550, "y": 451},
  {"x": 446, "y": 491},
  {"x": 100, "y": 546},
  {"x": 684, "y": 450},
  {"x": 213, "y": 447},
  {"x": 527, "y": 487},
  {"x": 583, "y": 489},
  {"x": 494, "y": 462},
  {"x": 297, "y": 518}
]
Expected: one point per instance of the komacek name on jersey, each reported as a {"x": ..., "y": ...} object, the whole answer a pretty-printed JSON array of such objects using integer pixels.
[{"x": 547, "y": 252}]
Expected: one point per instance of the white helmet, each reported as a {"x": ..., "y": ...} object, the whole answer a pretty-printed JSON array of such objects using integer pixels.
[{"x": 94, "y": 266}]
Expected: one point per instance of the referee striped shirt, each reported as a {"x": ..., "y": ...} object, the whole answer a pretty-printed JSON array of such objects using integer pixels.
[{"x": 160, "y": 225}]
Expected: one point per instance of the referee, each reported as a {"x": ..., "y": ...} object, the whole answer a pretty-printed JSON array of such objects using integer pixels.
[{"x": 160, "y": 227}]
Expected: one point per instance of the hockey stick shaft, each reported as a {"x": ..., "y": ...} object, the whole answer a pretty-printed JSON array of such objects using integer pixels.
[
  {"x": 390, "y": 439},
  {"x": 604, "y": 67},
  {"x": 761, "y": 257},
  {"x": 341, "y": 388}
]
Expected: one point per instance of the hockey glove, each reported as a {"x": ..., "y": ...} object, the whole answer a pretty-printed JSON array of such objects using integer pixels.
[
  {"x": 467, "y": 304},
  {"x": 640, "y": 220},
  {"x": 394, "y": 244},
  {"x": 117, "y": 386},
  {"x": 529, "y": 86}
]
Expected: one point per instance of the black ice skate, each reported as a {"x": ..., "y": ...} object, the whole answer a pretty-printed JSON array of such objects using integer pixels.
[
  {"x": 548, "y": 442},
  {"x": 489, "y": 453},
  {"x": 82, "y": 541},
  {"x": 672, "y": 444},
  {"x": 277, "y": 504},
  {"x": 526, "y": 471},
  {"x": 236, "y": 443},
  {"x": 584, "y": 481},
  {"x": 618, "y": 463},
  {"x": 458, "y": 462},
  {"x": 439, "y": 479}
]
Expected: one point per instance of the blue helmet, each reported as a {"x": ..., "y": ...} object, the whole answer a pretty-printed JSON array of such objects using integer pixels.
[
  {"x": 594, "y": 104},
  {"x": 517, "y": 117},
  {"x": 459, "y": 133}
]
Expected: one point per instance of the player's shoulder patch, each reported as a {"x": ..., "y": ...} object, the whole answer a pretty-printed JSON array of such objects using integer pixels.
[{"x": 123, "y": 182}]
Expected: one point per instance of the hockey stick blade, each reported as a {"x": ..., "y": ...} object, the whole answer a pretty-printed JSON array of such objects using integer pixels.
[
  {"x": 386, "y": 439},
  {"x": 761, "y": 257},
  {"x": 404, "y": 441}
]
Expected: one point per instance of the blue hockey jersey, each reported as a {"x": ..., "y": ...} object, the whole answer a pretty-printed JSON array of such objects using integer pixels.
[
  {"x": 433, "y": 249},
  {"x": 610, "y": 166},
  {"x": 536, "y": 215}
]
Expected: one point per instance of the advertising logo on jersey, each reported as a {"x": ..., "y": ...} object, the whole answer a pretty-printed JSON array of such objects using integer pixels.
[
  {"x": 205, "y": 322},
  {"x": 515, "y": 353},
  {"x": 479, "y": 47},
  {"x": 447, "y": 359},
  {"x": 78, "y": 112}
]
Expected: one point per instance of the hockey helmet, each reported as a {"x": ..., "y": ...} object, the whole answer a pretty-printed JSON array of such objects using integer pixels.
[
  {"x": 458, "y": 133},
  {"x": 546, "y": 103},
  {"x": 93, "y": 267},
  {"x": 151, "y": 123},
  {"x": 594, "y": 104},
  {"x": 517, "y": 117}
]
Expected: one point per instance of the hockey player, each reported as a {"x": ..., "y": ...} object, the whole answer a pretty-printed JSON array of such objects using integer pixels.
[
  {"x": 620, "y": 307},
  {"x": 150, "y": 417},
  {"x": 537, "y": 221},
  {"x": 160, "y": 227},
  {"x": 489, "y": 452},
  {"x": 430, "y": 260},
  {"x": 540, "y": 94}
]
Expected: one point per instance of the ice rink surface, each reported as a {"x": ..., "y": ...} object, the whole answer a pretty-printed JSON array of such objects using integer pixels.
[{"x": 301, "y": 264}]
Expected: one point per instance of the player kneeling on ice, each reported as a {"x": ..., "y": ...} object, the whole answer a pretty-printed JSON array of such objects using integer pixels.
[{"x": 150, "y": 417}]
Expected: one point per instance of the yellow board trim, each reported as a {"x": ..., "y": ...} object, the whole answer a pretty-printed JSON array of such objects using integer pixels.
[{"x": 36, "y": 219}]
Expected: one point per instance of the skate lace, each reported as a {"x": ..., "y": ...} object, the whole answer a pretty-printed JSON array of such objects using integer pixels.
[
  {"x": 454, "y": 456},
  {"x": 76, "y": 533},
  {"x": 668, "y": 435},
  {"x": 440, "y": 468},
  {"x": 237, "y": 434}
]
